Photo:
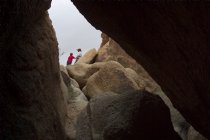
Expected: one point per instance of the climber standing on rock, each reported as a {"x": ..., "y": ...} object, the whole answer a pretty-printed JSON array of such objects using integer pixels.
[
  {"x": 70, "y": 59},
  {"x": 79, "y": 54}
]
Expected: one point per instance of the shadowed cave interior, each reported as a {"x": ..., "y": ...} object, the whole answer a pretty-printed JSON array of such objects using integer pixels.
[{"x": 108, "y": 94}]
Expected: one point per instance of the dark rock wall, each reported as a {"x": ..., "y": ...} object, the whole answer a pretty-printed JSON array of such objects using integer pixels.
[
  {"x": 171, "y": 40},
  {"x": 125, "y": 116},
  {"x": 31, "y": 104}
]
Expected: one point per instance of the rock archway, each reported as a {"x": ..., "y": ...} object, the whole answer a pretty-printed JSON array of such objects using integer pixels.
[{"x": 171, "y": 40}]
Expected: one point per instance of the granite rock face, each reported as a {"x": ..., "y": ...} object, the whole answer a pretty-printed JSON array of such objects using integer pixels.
[
  {"x": 111, "y": 77},
  {"x": 88, "y": 57},
  {"x": 111, "y": 51},
  {"x": 136, "y": 115},
  {"x": 75, "y": 101},
  {"x": 31, "y": 103},
  {"x": 82, "y": 71},
  {"x": 194, "y": 135},
  {"x": 171, "y": 41}
]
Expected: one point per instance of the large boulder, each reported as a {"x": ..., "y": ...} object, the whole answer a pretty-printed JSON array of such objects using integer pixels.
[
  {"x": 111, "y": 77},
  {"x": 143, "y": 81},
  {"x": 63, "y": 69},
  {"x": 31, "y": 102},
  {"x": 88, "y": 57},
  {"x": 171, "y": 41},
  {"x": 76, "y": 101},
  {"x": 111, "y": 51},
  {"x": 81, "y": 71},
  {"x": 105, "y": 39},
  {"x": 66, "y": 77},
  {"x": 135, "y": 116}
]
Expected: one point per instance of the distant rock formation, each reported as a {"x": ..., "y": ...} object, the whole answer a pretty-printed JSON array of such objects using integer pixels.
[
  {"x": 88, "y": 57},
  {"x": 82, "y": 71},
  {"x": 112, "y": 51},
  {"x": 111, "y": 77},
  {"x": 107, "y": 75}
]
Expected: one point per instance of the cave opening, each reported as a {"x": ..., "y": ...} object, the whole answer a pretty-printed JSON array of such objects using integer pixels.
[
  {"x": 73, "y": 31},
  {"x": 33, "y": 102}
]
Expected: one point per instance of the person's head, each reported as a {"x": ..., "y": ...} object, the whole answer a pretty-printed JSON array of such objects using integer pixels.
[
  {"x": 79, "y": 50},
  {"x": 71, "y": 54}
]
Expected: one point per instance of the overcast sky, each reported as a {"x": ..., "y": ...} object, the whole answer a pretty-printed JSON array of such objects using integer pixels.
[{"x": 72, "y": 29}]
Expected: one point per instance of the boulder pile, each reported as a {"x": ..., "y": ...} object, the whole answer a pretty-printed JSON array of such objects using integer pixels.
[{"x": 110, "y": 96}]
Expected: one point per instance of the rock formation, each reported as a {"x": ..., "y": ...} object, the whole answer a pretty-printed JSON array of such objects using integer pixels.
[
  {"x": 82, "y": 71},
  {"x": 75, "y": 102},
  {"x": 111, "y": 77},
  {"x": 194, "y": 135},
  {"x": 113, "y": 51},
  {"x": 126, "y": 116},
  {"x": 31, "y": 103},
  {"x": 38, "y": 102},
  {"x": 88, "y": 57},
  {"x": 170, "y": 41}
]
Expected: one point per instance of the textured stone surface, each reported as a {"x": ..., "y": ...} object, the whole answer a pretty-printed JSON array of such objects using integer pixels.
[
  {"x": 81, "y": 71},
  {"x": 111, "y": 77},
  {"x": 105, "y": 39},
  {"x": 88, "y": 57},
  {"x": 31, "y": 103},
  {"x": 75, "y": 102},
  {"x": 126, "y": 116},
  {"x": 171, "y": 41},
  {"x": 181, "y": 126},
  {"x": 194, "y": 135},
  {"x": 111, "y": 51},
  {"x": 63, "y": 69}
]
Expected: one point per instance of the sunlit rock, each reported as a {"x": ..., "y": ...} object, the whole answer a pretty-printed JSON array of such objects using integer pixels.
[
  {"x": 111, "y": 77},
  {"x": 88, "y": 57}
]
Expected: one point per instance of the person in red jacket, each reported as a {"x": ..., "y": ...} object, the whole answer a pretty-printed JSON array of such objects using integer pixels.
[{"x": 70, "y": 59}]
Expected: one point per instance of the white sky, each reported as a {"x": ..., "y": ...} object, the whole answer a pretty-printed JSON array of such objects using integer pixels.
[{"x": 72, "y": 29}]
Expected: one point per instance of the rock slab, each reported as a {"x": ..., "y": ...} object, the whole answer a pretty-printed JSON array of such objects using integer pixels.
[{"x": 126, "y": 116}]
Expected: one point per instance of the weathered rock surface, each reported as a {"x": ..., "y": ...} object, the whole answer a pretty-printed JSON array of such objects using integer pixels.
[
  {"x": 88, "y": 57},
  {"x": 125, "y": 116},
  {"x": 105, "y": 39},
  {"x": 111, "y": 51},
  {"x": 75, "y": 102},
  {"x": 143, "y": 82},
  {"x": 171, "y": 41},
  {"x": 63, "y": 69},
  {"x": 111, "y": 77},
  {"x": 81, "y": 71},
  {"x": 181, "y": 126},
  {"x": 66, "y": 77},
  {"x": 194, "y": 135},
  {"x": 31, "y": 103}
]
